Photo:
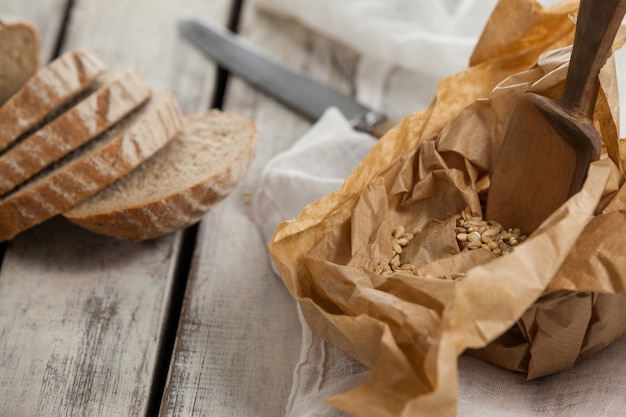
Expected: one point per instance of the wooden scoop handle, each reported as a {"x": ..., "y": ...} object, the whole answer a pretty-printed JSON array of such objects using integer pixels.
[{"x": 596, "y": 27}]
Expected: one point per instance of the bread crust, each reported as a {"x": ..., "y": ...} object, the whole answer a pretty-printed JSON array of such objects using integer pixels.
[
  {"x": 48, "y": 89},
  {"x": 64, "y": 186},
  {"x": 156, "y": 217},
  {"x": 19, "y": 61},
  {"x": 77, "y": 126},
  {"x": 64, "y": 137}
]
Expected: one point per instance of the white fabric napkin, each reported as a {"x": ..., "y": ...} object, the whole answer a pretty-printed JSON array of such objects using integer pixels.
[
  {"x": 314, "y": 166},
  {"x": 433, "y": 39}
]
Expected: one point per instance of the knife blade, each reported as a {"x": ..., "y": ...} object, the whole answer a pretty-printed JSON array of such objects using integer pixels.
[{"x": 298, "y": 92}]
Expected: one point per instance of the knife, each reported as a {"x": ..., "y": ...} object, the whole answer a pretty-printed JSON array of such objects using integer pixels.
[{"x": 296, "y": 91}]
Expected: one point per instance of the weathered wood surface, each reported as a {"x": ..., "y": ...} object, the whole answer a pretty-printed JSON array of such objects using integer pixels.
[
  {"x": 239, "y": 337},
  {"x": 83, "y": 318}
]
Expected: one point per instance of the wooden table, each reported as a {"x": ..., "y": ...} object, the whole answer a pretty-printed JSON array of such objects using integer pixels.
[{"x": 93, "y": 326}]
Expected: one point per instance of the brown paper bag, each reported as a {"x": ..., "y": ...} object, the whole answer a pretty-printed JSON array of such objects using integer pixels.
[{"x": 556, "y": 298}]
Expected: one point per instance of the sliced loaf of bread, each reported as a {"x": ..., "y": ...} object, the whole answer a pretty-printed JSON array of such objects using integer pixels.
[
  {"x": 178, "y": 185},
  {"x": 86, "y": 171},
  {"x": 116, "y": 95},
  {"x": 19, "y": 55},
  {"x": 45, "y": 93}
]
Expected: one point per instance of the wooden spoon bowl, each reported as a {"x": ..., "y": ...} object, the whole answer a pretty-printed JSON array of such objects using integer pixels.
[{"x": 549, "y": 144}]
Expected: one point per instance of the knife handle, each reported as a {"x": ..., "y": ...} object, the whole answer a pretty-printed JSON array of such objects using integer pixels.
[{"x": 374, "y": 123}]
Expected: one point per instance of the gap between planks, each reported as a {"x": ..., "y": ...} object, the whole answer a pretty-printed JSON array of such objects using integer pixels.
[
  {"x": 222, "y": 74},
  {"x": 64, "y": 24},
  {"x": 189, "y": 236},
  {"x": 184, "y": 263}
]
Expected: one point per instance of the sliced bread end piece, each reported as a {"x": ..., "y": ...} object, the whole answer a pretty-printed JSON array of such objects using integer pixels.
[
  {"x": 19, "y": 55},
  {"x": 178, "y": 185},
  {"x": 46, "y": 91},
  {"x": 90, "y": 169}
]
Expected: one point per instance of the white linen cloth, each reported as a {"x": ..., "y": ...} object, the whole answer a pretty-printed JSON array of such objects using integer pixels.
[
  {"x": 447, "y": 31},
  {"x": 431, "y": 38},
  {"x": 314, "y": 166}
]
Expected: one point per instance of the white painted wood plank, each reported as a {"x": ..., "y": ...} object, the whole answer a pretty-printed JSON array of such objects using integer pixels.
[
  {"x": 239, "y": 339},
  {"x": 80, "y": 318},
  {"x": 143, "y": 33},
  {"x": 81, "y": 315}
]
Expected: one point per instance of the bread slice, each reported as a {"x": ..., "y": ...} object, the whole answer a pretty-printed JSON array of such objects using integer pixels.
[
  {"x": 46, "y": 91},
  {"x": 121, "y": 92},
  {"x": 90, "y": 169},
  {"x": 19, "y": 55},
  {"x": 178, "y": 185}
]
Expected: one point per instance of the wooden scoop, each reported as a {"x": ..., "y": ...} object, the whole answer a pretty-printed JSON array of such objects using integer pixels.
[{"x": 549, "y": 144}]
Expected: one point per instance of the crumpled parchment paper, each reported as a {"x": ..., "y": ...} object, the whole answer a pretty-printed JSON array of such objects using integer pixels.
[{"x": 557, "y": 298}]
